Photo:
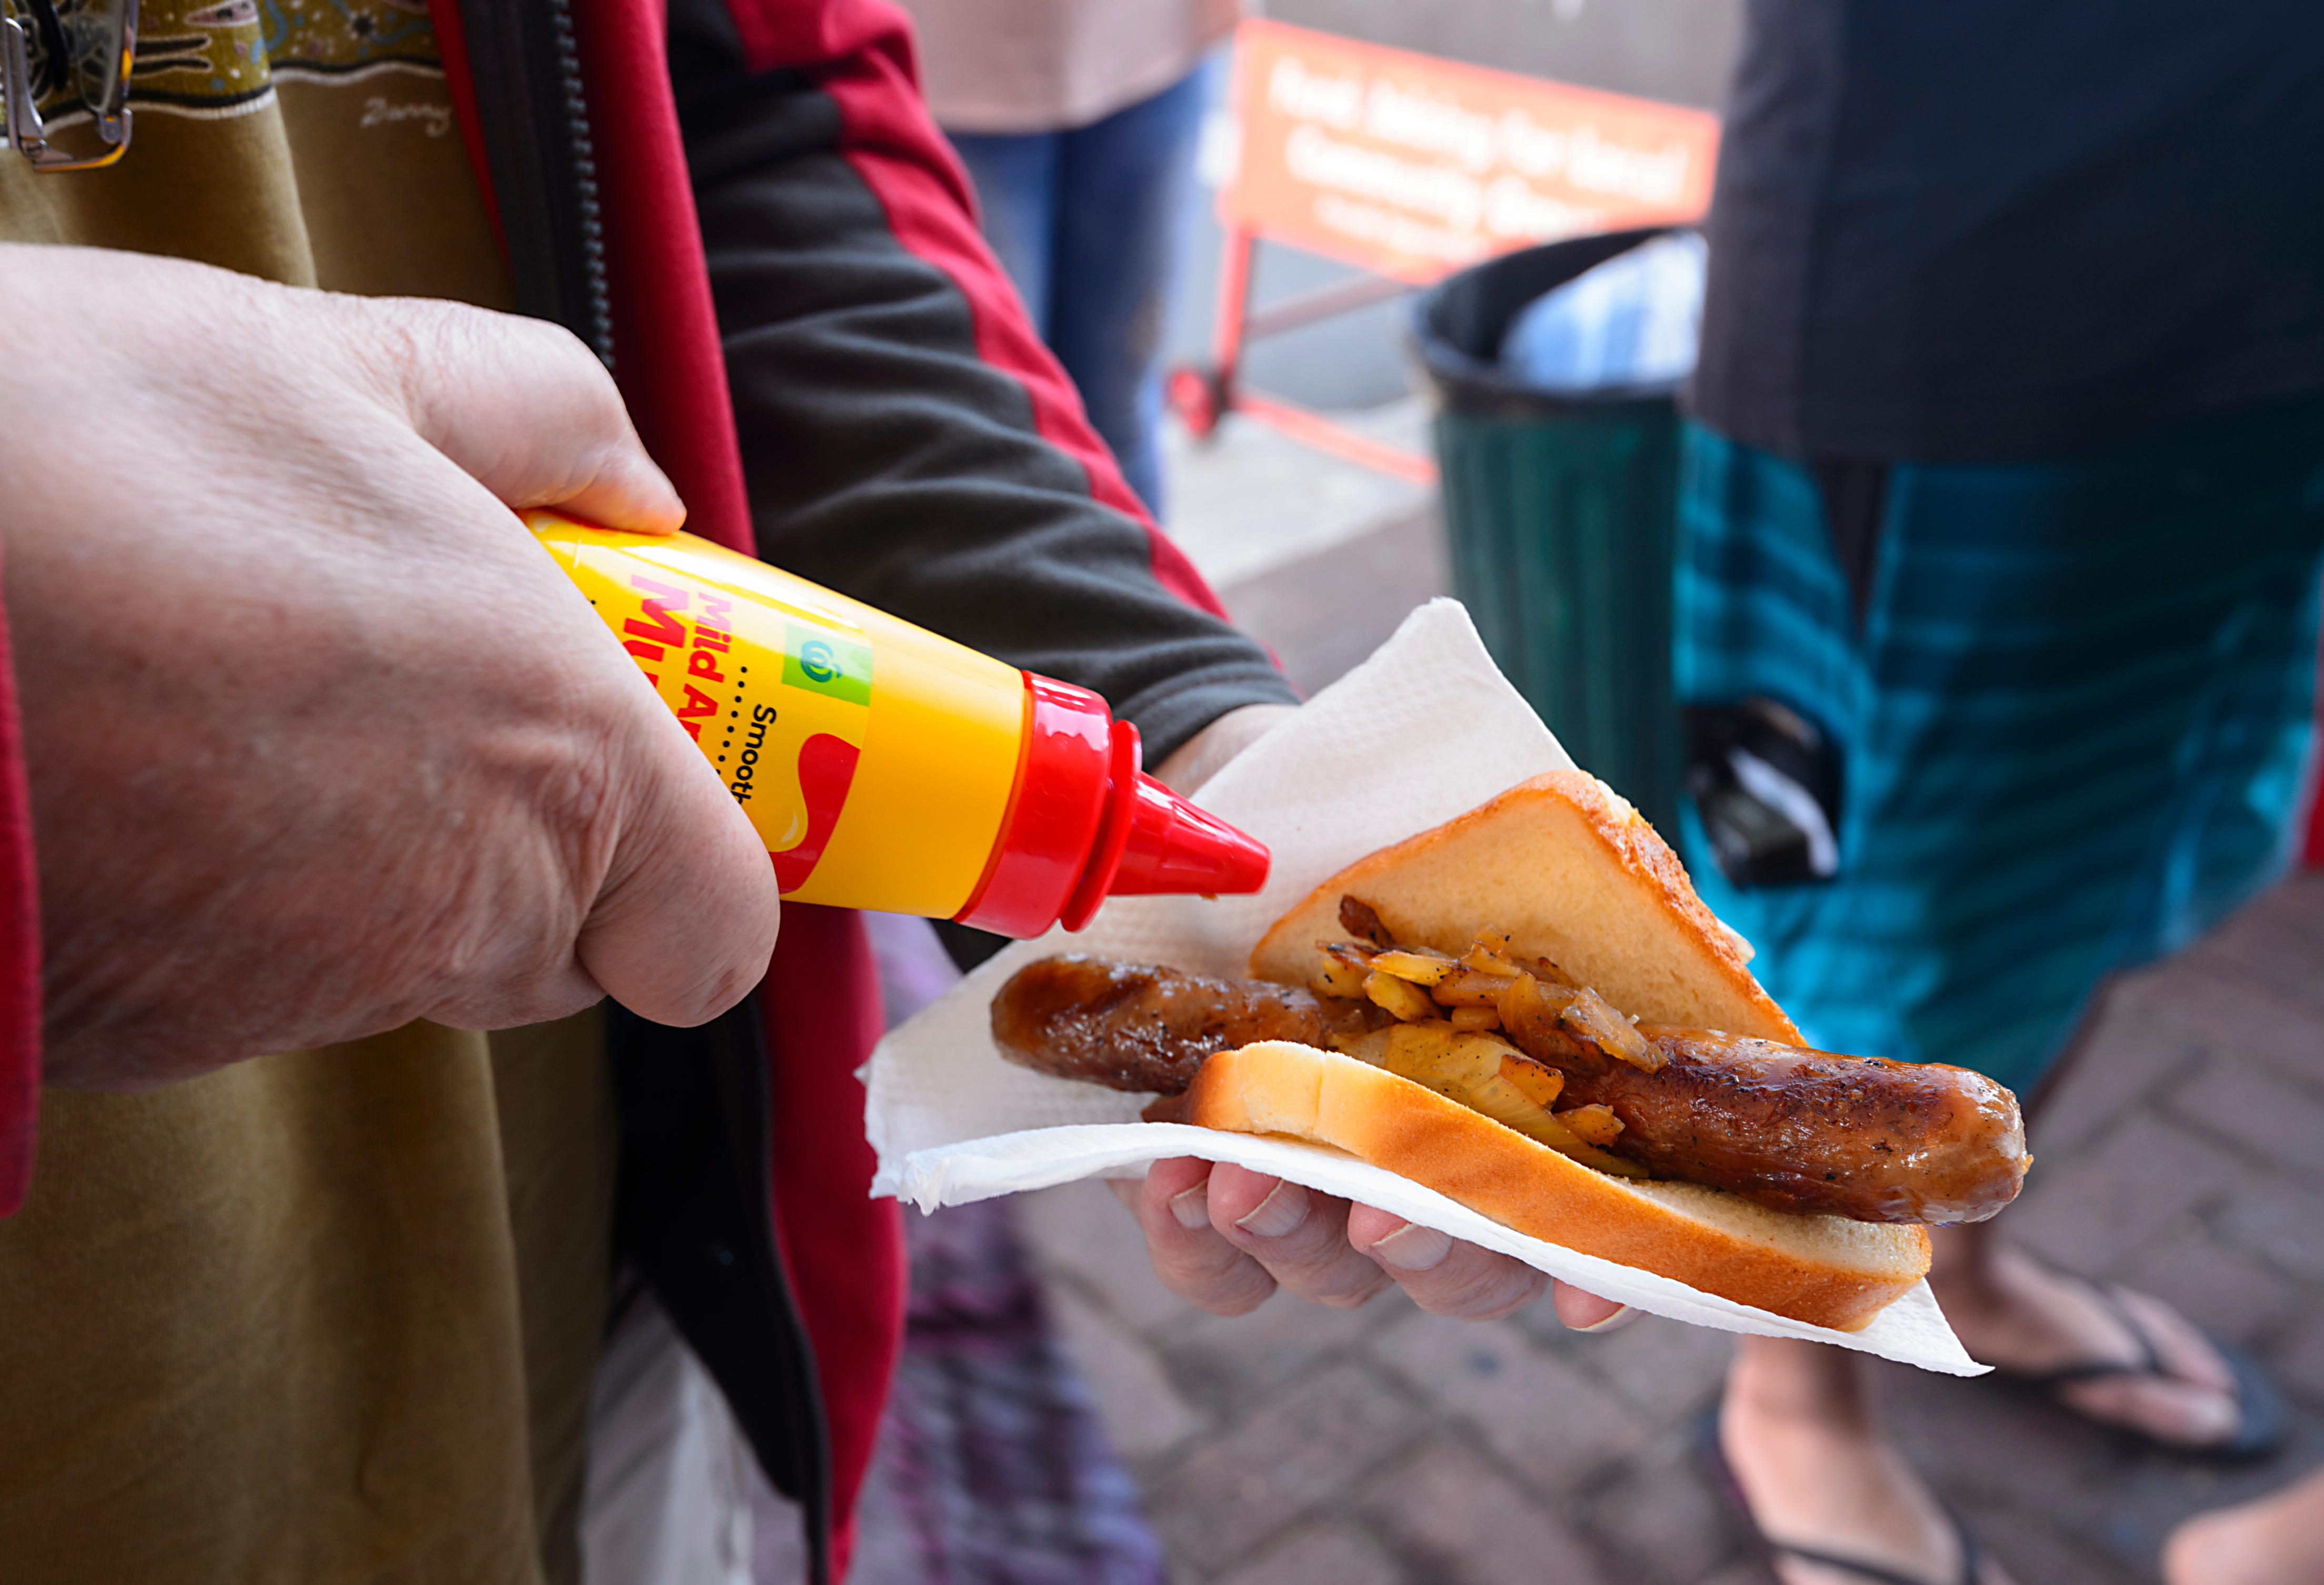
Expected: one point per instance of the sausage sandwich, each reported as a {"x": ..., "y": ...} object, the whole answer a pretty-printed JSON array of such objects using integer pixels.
[{"x": 1528, "y": 1010}]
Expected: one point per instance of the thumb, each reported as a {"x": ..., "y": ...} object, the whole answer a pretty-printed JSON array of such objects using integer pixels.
[
  {"x": 519, "y": 405},
  {"x": 685, "y": 922}
]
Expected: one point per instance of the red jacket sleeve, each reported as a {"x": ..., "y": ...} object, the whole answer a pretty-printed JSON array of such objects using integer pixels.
[{"x": 20, "y": 952}]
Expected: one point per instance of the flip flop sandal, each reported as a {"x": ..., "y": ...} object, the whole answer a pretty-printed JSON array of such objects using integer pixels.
[
  {"x": 1771, "y": 1551},
  {"x": 2263, "y": 1420}
]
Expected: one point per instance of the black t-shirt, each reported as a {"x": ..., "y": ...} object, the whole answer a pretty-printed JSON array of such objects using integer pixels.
[{"x": 1966, "y": 229}]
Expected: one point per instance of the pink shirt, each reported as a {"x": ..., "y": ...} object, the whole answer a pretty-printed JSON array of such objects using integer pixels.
[{"x": 1021, "y": 66}]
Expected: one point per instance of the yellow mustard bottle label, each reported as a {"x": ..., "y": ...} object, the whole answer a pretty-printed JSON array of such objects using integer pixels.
[{"x": 873, "y": 758}]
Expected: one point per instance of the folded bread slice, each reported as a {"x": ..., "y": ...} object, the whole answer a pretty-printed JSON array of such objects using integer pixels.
[
  {"x": 1574, "y": 874},
  {"x": 1825, "y": 1271}
]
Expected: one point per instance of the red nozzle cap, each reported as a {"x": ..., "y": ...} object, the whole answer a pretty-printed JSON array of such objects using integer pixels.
[
  {"x": 1153, "y": 842},
  {"x": 1176, "y": 848},
  {"x": 1084, "y": 823}
]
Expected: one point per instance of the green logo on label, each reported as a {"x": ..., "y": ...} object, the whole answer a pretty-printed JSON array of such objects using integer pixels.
[{"x": 821, "y": 663}]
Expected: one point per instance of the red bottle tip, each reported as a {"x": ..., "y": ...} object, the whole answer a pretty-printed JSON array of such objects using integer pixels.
[
  {"x": 1153, "y": 842},
  {"x": 1176, "y": 848}
]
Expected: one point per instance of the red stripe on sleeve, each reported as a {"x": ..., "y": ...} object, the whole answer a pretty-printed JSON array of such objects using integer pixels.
[
  {"x": 862, "y": 50},
  {"x": 19, "y": 953}
]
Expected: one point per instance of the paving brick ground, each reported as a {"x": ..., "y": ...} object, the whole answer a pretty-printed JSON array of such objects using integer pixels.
[{"x": 1302, "y": 1446}]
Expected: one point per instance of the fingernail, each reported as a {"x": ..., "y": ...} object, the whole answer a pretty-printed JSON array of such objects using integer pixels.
[
  {"x": 1414, "y": 1248},
  {"x": 1192, "y": 1207},
  {"x": 1285, "y": 1208},
  {"x": 1614, "y": 1322}
]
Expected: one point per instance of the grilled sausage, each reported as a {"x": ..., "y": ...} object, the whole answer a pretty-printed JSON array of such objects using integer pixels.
[
  {"x": 1791, "y": 1129},
  {"x": 1786, "y": 1127},
  {"x": 1145, "y": 1029}
]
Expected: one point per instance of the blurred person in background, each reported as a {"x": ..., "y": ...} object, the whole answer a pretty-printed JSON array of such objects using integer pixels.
[
  {"x": 1078, "y": 121},
  {"x": 2001, "y": 523}
]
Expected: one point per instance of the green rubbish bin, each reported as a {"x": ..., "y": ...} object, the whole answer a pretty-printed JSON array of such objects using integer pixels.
[{"x": 1561, "y": 511}]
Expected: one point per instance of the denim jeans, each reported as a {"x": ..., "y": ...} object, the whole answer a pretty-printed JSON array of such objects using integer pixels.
[{"x": 1086, "y": 222}]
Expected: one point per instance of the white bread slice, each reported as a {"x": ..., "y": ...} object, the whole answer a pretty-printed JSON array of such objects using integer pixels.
[
  {"x": 1826, "y": 1270},
  {"x": 1574, "y": 874}
]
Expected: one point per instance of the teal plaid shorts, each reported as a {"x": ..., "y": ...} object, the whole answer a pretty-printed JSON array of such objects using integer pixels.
[{"x": 2073, "y": 725}]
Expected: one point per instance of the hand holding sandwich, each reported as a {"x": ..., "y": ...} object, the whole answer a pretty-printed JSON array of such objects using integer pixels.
[{"x": 1224, "y": 1237}]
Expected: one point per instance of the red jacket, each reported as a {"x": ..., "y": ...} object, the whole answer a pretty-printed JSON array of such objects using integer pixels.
[{"x": 745, "y": 206}]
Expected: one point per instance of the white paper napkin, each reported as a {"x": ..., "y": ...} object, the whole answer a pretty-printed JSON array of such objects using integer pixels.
[{"x": 1424, "y": 730}]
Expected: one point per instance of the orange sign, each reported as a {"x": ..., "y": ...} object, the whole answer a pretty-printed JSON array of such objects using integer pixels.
[{"x": 1413, "y": 167}]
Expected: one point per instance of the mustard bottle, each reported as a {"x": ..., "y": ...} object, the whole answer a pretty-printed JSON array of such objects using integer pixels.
[{"x": 887, "y": 768}]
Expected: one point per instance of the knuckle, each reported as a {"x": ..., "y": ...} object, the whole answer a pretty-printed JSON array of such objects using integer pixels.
[
  {"x": 1354, "y": 1298},
  {"x": 397, "y": 352},
  {"x": 1494, "y": 1294},
  {"x": 1242, "y": 1301},
  {"x": 730, "y": 984},
  {"x": 557, "y": 357},
  {"x": 577, "y": 794},
  {"x": 563, "y": 777},
  {"x": 1237, "y": 1291},
  {"x": 406, "y": 342}
]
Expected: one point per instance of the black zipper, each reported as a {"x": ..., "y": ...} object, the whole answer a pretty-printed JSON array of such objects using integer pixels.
[
  {"x": 695, "y": 1215},
  {"x": 695, "y": 1209},
  {"x": 534, "y": 116}
]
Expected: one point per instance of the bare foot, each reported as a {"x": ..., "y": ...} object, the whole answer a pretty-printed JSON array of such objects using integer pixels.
[
  {"x": 2013, "y": 1312},
  {"x": 2276, "y": 1539},
  {"x": 1817, "y": 1473}
]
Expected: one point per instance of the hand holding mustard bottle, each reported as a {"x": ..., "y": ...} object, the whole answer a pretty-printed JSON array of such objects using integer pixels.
[
  {"x": 318, "y": 742},
  {"x": 295, "y": 784}
]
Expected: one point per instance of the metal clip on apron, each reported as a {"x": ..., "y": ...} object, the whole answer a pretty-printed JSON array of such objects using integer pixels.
[{"x": 49, "y": 44}]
